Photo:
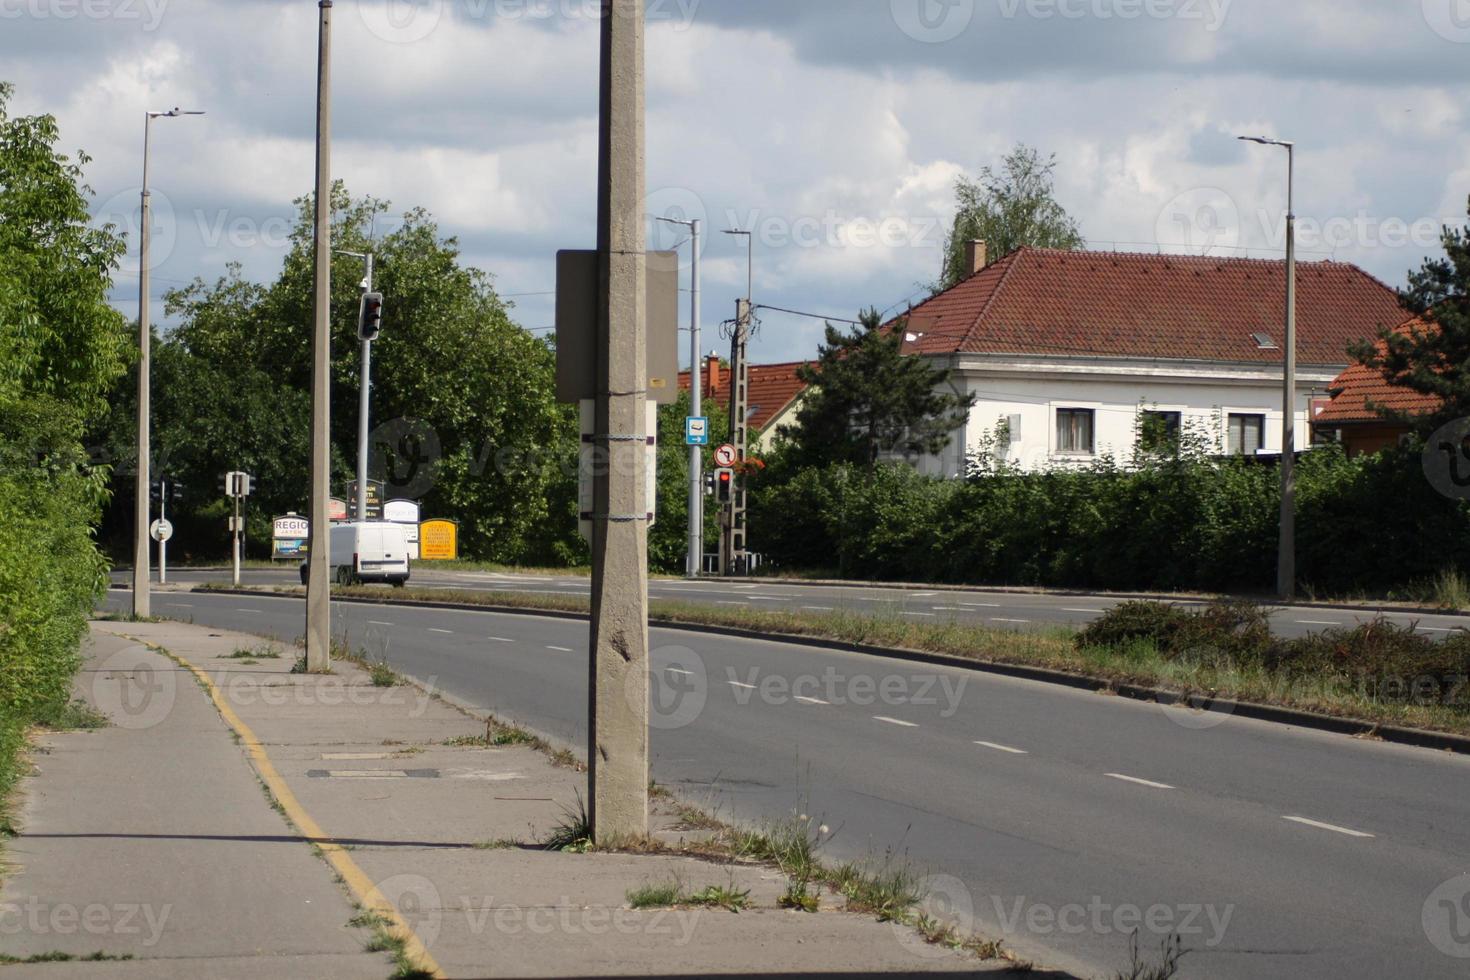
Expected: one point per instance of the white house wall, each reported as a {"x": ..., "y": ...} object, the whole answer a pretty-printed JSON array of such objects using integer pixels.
[{"x": 1204, "y": 393}]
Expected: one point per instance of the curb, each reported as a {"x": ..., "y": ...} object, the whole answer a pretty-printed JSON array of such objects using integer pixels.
[{"x": 1333, "y": 724}]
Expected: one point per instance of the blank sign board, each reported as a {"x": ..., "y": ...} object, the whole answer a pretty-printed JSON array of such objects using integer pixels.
[{"x": 576, "y": 326}]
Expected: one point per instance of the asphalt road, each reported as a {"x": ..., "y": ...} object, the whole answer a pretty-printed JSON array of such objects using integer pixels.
[
  {"x": 1060, "y": 820},
  {"x": 1007, "y": 610}
]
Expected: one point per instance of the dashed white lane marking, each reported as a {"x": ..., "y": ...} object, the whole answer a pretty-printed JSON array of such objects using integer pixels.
[
  {"x": 374, "y": 622},
  {"x": 894, "y": 721},
  {"x": 769, "y": 598},
  {"x": 930, "y": 615},
  {"x": 1003, "y": 748},
  {"x": 433, "y": 630},
  {"x": 498, "y": 639},
  {"x": 981, "y": 605},
  {"x": 747, "y": 587},
  {"x": 1139, "y": 782},
  {"x": 180, "y": 605},
  {"x": 818, "y": 608},
  {"x": 946, "y": 608},
  {"x": 561, "y": 649},
  {"x": 1098, "y": 611},
  {"x": 807, "y": 700},
  {"x": 681, "y": 672},
  {"x": 1327, "y": 826},
  {"x": 1317, "y": 622},
  {"x": 1436, "y": 629},
  {"x": 256, "y": 611},
  {"x": 747, "y": 687},
  {"x": 997, "y": 619},
  {"x": 727, "y": 602},
  {"x": 922, "y": 595}
]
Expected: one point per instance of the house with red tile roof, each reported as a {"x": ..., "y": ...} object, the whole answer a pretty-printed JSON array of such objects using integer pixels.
[
  {"x": 775, "y": 393},
  {"x": 1069, "y": 353},
  {"x": 1360, "y": 397}
]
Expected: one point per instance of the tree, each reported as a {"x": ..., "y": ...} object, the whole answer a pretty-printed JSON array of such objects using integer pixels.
[
  {"x": 1433, "y": 359},
  {"x": 866, "y": 398},
  {"x": 454, "y": 378},
  {"x": 61, "y": 348},
  {"x": 1007, "y": 210}
]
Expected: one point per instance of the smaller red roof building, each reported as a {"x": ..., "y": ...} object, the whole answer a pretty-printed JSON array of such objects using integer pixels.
[
  {"x": 774, "y": 391},
  {"x": 1360, "y": 396}
]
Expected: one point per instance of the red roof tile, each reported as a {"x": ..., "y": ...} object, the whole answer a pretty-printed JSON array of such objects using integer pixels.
[
  {"x": 1122, "y": 304},
  {"x": 1359, "y": 391},
  {"x": 773, "y": 387}
]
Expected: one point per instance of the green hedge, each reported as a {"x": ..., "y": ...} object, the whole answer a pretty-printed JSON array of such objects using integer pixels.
[{"x": 1368, "y": 524}]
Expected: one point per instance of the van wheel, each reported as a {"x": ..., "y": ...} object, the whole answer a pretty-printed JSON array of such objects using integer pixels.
[{"x": 399, "y": 583}]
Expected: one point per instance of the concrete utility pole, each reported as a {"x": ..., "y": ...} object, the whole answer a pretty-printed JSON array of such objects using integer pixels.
[
  {"x": 1286, "y": 556},
  {"x": 618, "y": 702},
  {"x": 143, "y": 482},
  {"x": 734, "y": 558},
  {"x": 695, "y": 561},
  {"x": 318, "y": 587}
]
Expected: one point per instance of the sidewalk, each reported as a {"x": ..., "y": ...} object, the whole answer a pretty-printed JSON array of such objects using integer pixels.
[{"x": 153, "y": 839}]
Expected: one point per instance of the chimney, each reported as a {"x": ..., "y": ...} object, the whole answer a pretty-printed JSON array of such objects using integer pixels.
[
  {"x": 977, "y": 255},
  {"x": 714, "y": 376}
]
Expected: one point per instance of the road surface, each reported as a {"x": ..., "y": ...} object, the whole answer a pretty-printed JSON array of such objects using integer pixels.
[
  {"x": 1058, "y": 819},
  {"x": 1006, "y": 610}
]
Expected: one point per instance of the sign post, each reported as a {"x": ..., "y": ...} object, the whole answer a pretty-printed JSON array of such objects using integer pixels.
[
  {"x": 237, "y": 488},
  {"x": 161, "y": 530}
]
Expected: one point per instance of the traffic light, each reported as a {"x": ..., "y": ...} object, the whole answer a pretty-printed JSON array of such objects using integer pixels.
[
  {"x": 370, "y": 316},
  {"x": 724, "y": 484}
]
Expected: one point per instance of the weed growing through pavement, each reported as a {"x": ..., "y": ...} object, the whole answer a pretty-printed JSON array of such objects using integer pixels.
[{"x": 573, "y": 834}]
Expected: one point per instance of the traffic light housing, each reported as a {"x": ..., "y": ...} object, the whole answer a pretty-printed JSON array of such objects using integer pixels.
[
  {"x": 370, "y": 316},
  {"x": 724, "y": 485}
]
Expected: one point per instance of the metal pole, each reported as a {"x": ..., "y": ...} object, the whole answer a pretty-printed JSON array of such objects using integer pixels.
[
  {"x": 318, "y": 588},
  {"x": 1286, "y": 562},
  {"x": 235, "y": 545},
  {"x": 162, "y": 542},
  {"x": 696, "y": 407},
  {"x": 618, "y": 690},
  {"x": 362, "y": 409},
  {"x": 143, "y": 481}
]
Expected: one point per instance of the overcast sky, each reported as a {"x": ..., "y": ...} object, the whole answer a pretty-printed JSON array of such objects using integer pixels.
[{"x": 834, "y": 128}]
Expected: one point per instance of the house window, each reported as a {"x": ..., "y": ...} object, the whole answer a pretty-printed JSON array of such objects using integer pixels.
[
  {"x": 1247, "y": 433},
  {"x": 1074, "y": 431},
  {"x": 1159, "y": 431}
]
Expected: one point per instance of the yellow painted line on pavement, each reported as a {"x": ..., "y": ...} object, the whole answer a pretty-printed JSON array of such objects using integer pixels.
[{"x": 363, "y": 890}]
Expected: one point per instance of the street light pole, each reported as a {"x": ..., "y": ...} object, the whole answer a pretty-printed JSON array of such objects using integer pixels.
[
  {"x": 1286, "y": 556},
  {"x": 318, "y": 588},
  {"x": 695, "y": 561},
  {"x": 143, "y": 485}
]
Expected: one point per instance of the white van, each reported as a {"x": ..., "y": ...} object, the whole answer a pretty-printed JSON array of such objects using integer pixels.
[{"x": 371, "y": 552}]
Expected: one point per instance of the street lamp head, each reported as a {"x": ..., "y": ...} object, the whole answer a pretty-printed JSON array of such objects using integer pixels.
[
  {"x": 735, "y": 231},
  {"x": 1264, "y": 141},
  {"x": 173, "y": 113},
  {"x": 677, "y": 221}
]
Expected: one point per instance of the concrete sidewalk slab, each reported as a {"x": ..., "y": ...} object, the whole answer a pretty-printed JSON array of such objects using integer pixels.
[
  {"x": 447, "y": 833},
  {"x": 152, "y": 839}
]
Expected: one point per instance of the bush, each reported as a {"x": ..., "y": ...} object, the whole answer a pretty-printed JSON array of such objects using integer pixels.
[
  {"x": 1364, "y": 525},
  {"x": 1158, "y": 622}
]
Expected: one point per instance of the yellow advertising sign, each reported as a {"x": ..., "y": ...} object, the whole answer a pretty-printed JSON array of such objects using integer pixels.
[{"x": 438, "y": 541}]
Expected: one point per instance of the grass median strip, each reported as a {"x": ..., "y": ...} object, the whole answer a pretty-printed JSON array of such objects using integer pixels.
[{"x": 1202, "y": 675}]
